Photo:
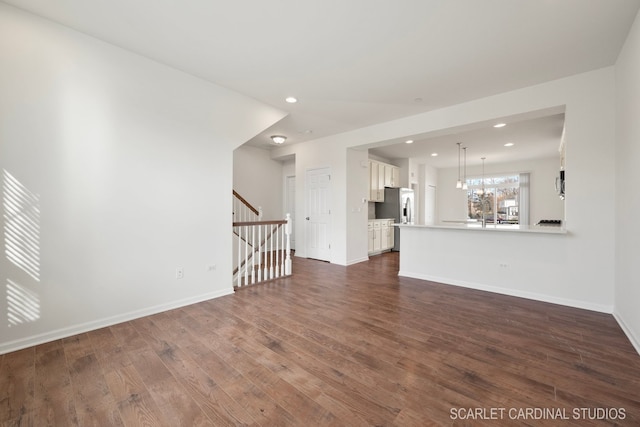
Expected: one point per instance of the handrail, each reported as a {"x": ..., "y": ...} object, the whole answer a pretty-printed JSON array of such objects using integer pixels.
[
  {"x": 244, "y": 202},
  {"x": 250, "y": 223}
]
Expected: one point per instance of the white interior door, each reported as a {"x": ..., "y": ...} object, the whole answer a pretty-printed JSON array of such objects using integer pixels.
[
  {"x": 318, "y": 219},
  {"x": 290, "y": 205}
]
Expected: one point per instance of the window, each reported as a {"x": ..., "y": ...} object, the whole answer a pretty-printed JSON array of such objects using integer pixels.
[{"x": 499, "y": 199}]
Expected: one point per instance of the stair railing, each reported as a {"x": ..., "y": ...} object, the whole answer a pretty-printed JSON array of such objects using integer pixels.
[
  {"x": 263, "y": 251},
  {"x": 244, "y": 211}
]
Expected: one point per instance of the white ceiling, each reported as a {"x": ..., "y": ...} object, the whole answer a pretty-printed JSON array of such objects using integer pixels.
[
  {"x": 532, "y": 138},
  {"x": 353, "y": 63}
]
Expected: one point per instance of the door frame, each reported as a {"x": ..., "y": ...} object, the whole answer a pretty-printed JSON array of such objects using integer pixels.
[
  {"x": 289, "y": 200},
  {"x": 306, "y": 213}
]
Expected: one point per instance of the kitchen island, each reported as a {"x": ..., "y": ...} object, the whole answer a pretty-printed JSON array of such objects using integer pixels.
[{"x": 535, "y": 262}]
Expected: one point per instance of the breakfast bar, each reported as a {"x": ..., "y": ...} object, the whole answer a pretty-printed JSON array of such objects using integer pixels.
[{"x": 529, "y": 262}]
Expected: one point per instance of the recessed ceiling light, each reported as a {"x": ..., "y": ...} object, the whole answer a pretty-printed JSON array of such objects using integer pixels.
[
  {"x": 278, "y": 139},
  {"x": 434, "y": 154},
  {"x": 291, "y": 99},
  {"x": 409, "y": 141},
  {"x": 509, "y": 144},
  {"x": 499, "y": 125}
]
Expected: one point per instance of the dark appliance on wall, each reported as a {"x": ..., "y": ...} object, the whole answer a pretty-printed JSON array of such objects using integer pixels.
[{"x": 398, "y": 204}]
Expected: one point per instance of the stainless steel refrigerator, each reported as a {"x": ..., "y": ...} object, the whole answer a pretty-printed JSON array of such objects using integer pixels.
[{"x": 398, "y": 204}]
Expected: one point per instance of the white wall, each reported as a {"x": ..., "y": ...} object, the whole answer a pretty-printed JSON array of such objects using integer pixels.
[
  {"x": 575, "y": 269},
  {"x": 288, "y": 168},
  {"x": 356, "y": 242},
  {"x": 258, "y": 179},
  {"x": 124, "y": 172},
  {"x": 586, "y": 273},
  {"x": 428, "y": 189},
  {"x": 543, "y": 199},
  {"x": 627, "y": 291},
  {"x": 313, "y": 156}
]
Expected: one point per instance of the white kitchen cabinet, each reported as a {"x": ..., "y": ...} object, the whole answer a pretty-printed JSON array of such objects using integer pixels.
[
  {"x": 373, "y": 181},
  {"x": 386, "y": 230},
  {"x": 381, "y": 175},
  {"x": 395, "y": 176},
  {"x": 377, "y": 236},
  {"x": 391, "y": 176},
  {"x": 381, "y": 233},
  {"x": 381, "y": 183}
]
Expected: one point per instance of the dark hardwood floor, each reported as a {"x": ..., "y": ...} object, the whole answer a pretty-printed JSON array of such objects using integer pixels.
[{"x": 332, "y": 345}]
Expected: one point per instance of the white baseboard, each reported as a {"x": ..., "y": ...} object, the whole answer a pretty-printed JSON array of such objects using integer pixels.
[
  {"x": 357, "y": 261},
  {"x": 513, "y": 292},
  {"x": 107, "y": 321},
  {"x": 635, "y": 341}
]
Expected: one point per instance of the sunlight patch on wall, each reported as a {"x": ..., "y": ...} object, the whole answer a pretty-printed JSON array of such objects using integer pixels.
[
  {"x": 23, "y": 305},
  {"x": 21, "y": 225}
]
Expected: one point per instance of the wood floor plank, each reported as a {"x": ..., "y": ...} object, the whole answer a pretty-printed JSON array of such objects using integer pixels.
[
  {"x": 124, "y": 382},
  {"x": 17, "y": 376},
  {"x": 331, "y": 346},
  {"x": 54, "y": 397},
  {"x": 207, "y": 394},
  {"x": 139, "y": 409},
  {"x": 94, "y": 403}
]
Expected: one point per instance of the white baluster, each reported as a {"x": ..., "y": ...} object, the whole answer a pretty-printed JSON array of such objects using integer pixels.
[
  {"x": 277, "y": 251},
  {"x": 283, "y": 249},
  {"x": 253, "y": 256},
  {"x": 265, "y": 261},
  {"x": 259, "y": 253},
  {"x": 239, "y": 273},
  {"x": 246, "y": 255},
  {"x": 287, "y": 232},
  {"x": 271, "y": 273}
]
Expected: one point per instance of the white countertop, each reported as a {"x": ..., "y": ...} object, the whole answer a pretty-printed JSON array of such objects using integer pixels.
[{"x": 491, "y": 228}]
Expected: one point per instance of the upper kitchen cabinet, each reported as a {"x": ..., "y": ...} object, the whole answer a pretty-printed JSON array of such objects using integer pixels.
[
  {"x": 381, "y": 175},
  {"x": 391, "y": 176}
]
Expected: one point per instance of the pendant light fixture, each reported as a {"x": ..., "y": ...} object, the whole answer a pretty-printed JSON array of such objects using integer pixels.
[
  {"x": 464, "y": 182},
  {"x": 459, "y": 183}
]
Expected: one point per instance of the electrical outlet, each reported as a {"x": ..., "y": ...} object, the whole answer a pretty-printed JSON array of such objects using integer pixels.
[
  {"x": 504, "y": 265},
  {"x": 179, "y": 273},
  {"x": 212, "y": 267}
]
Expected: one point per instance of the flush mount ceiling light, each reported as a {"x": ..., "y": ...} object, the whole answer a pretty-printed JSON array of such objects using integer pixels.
[
  {"x": 291, "y": 99},
  {"x": 278, "y": 139},
  {"x": 509, "y": 144},
  {"x": 434, "y": 154},
  {"x": 409, "y": 141},
  {"x": 499, "y": 125}
]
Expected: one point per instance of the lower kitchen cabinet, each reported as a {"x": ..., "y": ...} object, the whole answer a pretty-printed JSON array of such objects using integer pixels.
[{"x": 380, "y": 235}]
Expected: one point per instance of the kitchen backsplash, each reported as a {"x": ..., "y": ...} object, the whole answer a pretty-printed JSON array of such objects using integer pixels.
[{"x": 372, "y": 210}]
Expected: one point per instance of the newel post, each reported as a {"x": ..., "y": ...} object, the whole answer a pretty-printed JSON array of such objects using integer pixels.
[{"x": 287, "y": 232}]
